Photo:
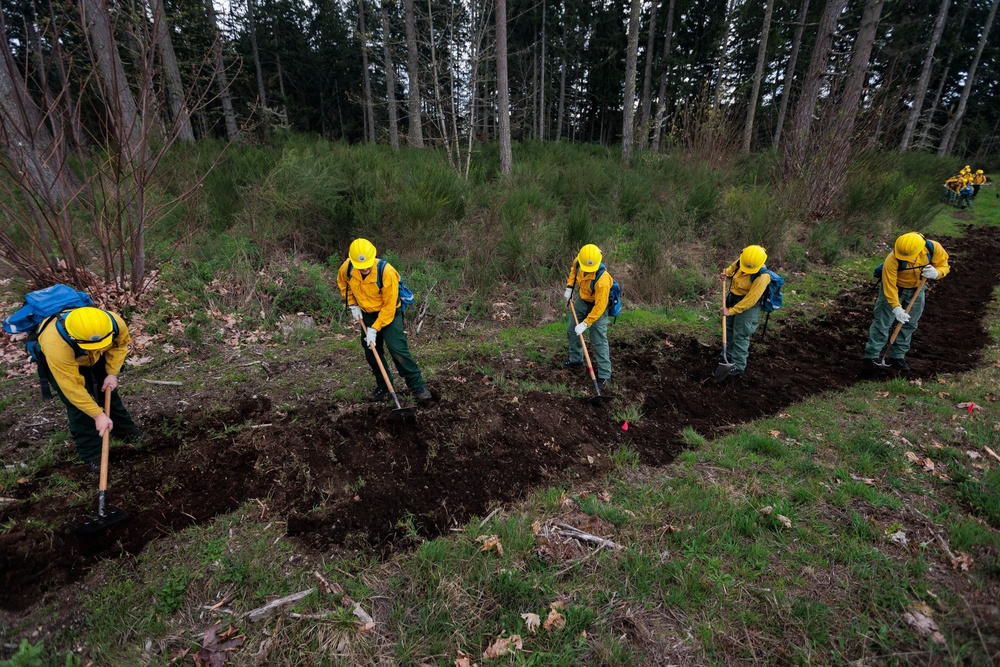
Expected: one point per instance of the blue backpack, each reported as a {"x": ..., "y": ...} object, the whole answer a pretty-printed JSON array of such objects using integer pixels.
[
  {"x": 772, "y": 299},
  {"x": 406, "y": 297},
  {"x": 902, "y": 265},
  {"x": 614, "y": 296},
  {"x": 40, "y": 309}
]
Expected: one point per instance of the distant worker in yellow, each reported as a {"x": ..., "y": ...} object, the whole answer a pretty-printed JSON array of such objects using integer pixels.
[
  {"x": 591, "y": 305},
  {"x": 912, "y": 258},
  {"x": 978, "y": 179},
  {"x": 743, "y": 304},
  {"x": 371, "y": 287}
]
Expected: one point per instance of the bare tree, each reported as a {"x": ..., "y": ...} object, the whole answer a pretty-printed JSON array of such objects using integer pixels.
[
  {"x": 390, "y": 79},
  {"x": 793, "y": 58},
  {"x": 365, "y": 75},
  {"x": 661, "y": 97},
  {"x": 723, "y": 55},
  {"x": 416, "y": 134},
  {"x": 562, "y": 85},
  {"x": 932, "y": 108},
  {"x": 221, "y": 79},
  {"x": 948, "y": 135},
  {"x": 171, "y": 72},
  {"x": 542, "y": 116},
  {"x": 251, "y": 23},
  {"x": 631, "y": 58},
  {"x": 925, "y": 77},
  {"x": 503, "y": 92},
  {"x": 757, "y": 76},
  {"x": 647, "y": 79}
]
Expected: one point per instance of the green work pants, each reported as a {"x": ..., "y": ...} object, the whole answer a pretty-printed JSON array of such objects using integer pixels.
[
  {"x": 393, "y": 337},
  {"x": 884, "y": 321},
  {"x": 739, "y": 328},
  {"x": 81, "y": 425},
  {"x": 600, "y": 353}
]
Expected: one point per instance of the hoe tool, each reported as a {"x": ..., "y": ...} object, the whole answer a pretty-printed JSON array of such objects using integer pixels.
[
  {"x": 107, "y": 515},
  {"x": 722, "y": 370},
  {"x": 882, "y": 363},
  {"x": 400, "y": 412},
  {"x": 598, "y": 399}
]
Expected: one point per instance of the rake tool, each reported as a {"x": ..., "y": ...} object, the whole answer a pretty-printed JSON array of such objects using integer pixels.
[
  {"x": 722, "y": 370},
  {"x": 598, "y": 399},
  {"x": 400, "y": 412},
  {"x": 882, "y": 363},
  {"x": 107, "y": 515}
]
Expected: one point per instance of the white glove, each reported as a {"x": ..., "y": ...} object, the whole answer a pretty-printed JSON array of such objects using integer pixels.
[
  {"x": 568, "y": 293},
  {"x": 370, "y": 337},
  {"x": 580, "y": 328},
  {"x": 901, "y": 315},
  {"x": 355, "y": 312},
  {"x": 929, "y": 272}
]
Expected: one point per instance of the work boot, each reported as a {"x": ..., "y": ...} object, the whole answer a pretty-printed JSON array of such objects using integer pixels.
[
  {"x": 734, "y": 372},
  {"x": 135, "y": 436},
  {"x": 423, "y": 395},
  {"x": 378, "y": 395},
  {"x": 899, "y": 364},
  {"x": 572, "y": 364},
  {"x": 870, "y": 366},
  {"x": 603, "y": 382},
  {"x": 93, "y": 466}
]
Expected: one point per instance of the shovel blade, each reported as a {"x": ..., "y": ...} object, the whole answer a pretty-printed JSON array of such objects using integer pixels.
[
  {"x": 722, "y": 371},
  {"x": 112, "y": 516},
  {"x": 402, "y": 414},
  {"x": 600, "y": 400}
]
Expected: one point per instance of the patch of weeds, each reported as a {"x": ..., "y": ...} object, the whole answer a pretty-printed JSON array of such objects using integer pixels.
[
  {"x": 170, "y": 595},
  {"x": 983, "y": 496},
  {"x": 692, "y": 438},
  {"x": 762, "y": 445},
  {"x": 625, "y": 457},
  {"x": 627, "y": 413}
]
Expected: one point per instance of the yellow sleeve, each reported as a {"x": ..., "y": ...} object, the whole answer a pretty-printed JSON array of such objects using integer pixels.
[
  {"x": 731, "y": 269},
  {"x": 890, "y": 271},
  {"x": 66, "y": 372},
  {"x": 342, "y": 283},
  {"x": 602, "y": 290},
  {"x": 114, "y": 357},
  {"x": 390, "y": 297},
  {"x": 571, "y": 281},
  {"x": 753, "y": 296},
  {"x": 940, "y": 260}
]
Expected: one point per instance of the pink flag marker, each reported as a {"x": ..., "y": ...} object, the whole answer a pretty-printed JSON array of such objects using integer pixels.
[{"x": 625, "y": 425}]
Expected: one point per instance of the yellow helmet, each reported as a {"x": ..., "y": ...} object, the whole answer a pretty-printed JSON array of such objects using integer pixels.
[
  {"x": 908, "y": 246},
  {"x": 967, "y": 168},
  {"x": 362, "y": 253},
  {"x": 979, "y": 171},
  {"x": 589, "y": 258},
  {"x": 752, "y": 258},
  {"x": 90, "y": 328}
]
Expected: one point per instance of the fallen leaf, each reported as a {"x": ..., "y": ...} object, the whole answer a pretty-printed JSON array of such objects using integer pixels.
[
  {"x": 536, "y": 526},
  {"x": 774, "y": 434},
  {"x": 944, "y": 394},
  {"x": 899, "y": 537},
  {"x": 927, "y": 464},
  {"x": 923, "y": 625},
  {"x": 367, "y": 627},
  {"x": 766, "y": 510},
  {"x": 215, "y": 648},
  {"x": 784, "y": 415},
  {"x": 490, "y": 542},
  {"x": 604, "y": 496},
  {"x": 992, "y": 398},
  {"x": 590, "y": 459},
  {"x": 555, "y": 620},
  {"x": 464, "y": 660},
  {"x": 785, "y": 521},
  {"x": 503, "y": 646},
  {"x": 532, "y": 621},
  {"x": 882, "y": 394},
  {"x": 138, "y": 361},
  {"x": 669, "y": 528},
  {"x": 911, "y": 457},
  {"x": 962, "y": 561},
  {"x": 970, "y": 406},
  {"x": 868, "y": 481}
]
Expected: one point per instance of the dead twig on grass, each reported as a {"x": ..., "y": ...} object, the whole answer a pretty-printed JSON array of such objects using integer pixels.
[
  {"x": 582, "y": 536},
  {"x": 272, "y": 606}
]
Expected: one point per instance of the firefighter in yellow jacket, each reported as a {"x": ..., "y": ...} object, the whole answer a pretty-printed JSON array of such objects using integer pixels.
[
  {"x": 82, "y": 353},
  {"x": 742, "y": 309},
  {"x": 591, "y": 305},
  {"x": 913, "y": 257},
  {"x": 371, "y": 288}
]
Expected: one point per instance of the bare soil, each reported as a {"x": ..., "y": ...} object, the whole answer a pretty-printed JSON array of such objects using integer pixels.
[{"x": 343, "y": 475}]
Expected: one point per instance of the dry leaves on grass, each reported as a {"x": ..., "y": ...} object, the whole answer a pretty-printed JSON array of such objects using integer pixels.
[
  {"x": 555, "y": 620},
  {"x": 604, "y": 497},
  {"x": 784, "y": 520},
  {"x": 464, "y": 660},
  {"x": 532, "y": 621},
  {"x": 217, "y": 646},
  {"x": 924, "y": 625},
  {"x": 868, "y": 481},
  {"x": 968, "y": 406},
  {"x": 503, "y": 646},
  {"x": 490, "y": 542},
  {"x": 924, "y": 462},
  {"x": 962, "y": 561},
  {"x": 137, "y": 361}
]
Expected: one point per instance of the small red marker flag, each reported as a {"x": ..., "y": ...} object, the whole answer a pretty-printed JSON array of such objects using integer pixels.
[{"x": 625, "y": 425}]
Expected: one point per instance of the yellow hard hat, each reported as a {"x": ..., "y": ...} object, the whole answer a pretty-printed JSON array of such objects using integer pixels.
[
  {"x": 908, "y": 246},
  {"x": 90, "y": 328},
  {"x": 362, "y": 253},
  {"x": 752, "y": 258},
  {"x": 979, "y": 171},
  {"x": 968, "y": 168},
  {"x": 589, "y": 258}
]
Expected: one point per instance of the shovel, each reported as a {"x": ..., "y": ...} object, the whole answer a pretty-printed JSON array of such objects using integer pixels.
[
  {"x": 722, "y": 370},
  {"x": 598, "y": 399},
  {"x": 400, "y": 412},
  {"x": 882, "y": 363},
  {"x": 107, "y": 515}
]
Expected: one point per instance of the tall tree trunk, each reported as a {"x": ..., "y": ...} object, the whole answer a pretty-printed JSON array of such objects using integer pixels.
[
  {"x": 948, "y": 135},
  {"x": 724, "y": 55},
  {"x": 416, "y": 135},
  {"x": 802, "y": 123},
  {"x": 647, "y": 79},
  {"x": 251, "y": 23},
  {"x": 661, "y": 97},
  {"x": 365, "y": 76},
  {"x": 562, "y": 97},
  {"x": 436, "y": 76},
  {"x": 631, "y": 58},
  {"x": 857, "y": 72},
  {"x": 390, "y": 79},
  {"x": 757, "y": 76},
  {"x": 793, "y": 58},
  {"x": 503, "y": 92},
  {"x": 221, "y": 80},
  {"x": 931, "y": 111},
  {"x": 925, "y": 77},
  {"x": 172, "y": 73},
  {"x": 542, "y": 116},
  {"x": 281, "y": 87}
]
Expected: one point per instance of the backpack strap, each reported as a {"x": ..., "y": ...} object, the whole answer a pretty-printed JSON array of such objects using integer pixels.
[
  {"x": 378, "y": 273},
  {"x": 60, "y": 320},
  {"x": 597, "y": 276}
]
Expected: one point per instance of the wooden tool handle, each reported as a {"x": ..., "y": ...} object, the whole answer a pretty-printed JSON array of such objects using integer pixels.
[
  {"x": 105, "y": 442},
  {"x": 724, "y": 344},
  {"x": 899, "y": 326}
]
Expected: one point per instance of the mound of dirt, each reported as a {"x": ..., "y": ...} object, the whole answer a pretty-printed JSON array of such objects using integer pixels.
[{"x": 343, "y": 475}]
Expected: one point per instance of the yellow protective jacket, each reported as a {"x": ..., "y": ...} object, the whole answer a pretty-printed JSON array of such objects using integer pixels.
[
  {"x": 750, "y": 290},
  {"x": 954, "y": 183},
  {"x": 597, "y": 296},
  {"x": 363, "y": 291},
  {"x": 65, "y": 365},
  {"x": 979, "y": 179},
  {"x": 893, "y": 277}
]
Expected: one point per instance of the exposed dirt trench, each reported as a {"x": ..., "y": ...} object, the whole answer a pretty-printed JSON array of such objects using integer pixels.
[{"x": 344, "y": 476}]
